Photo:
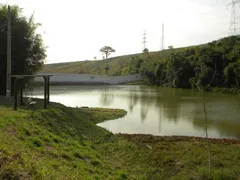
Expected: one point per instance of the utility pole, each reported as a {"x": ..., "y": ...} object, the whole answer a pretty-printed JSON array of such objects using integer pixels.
[
  {"x": 162, "y": 40},
  {"x": 235, "y": 20},
  {"x": 144, "y": 40},
  {"x": 9, "y": 65}
]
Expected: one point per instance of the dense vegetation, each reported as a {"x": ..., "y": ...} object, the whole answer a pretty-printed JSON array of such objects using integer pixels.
[
  {"x": 64, "y": 143},
  {"x": 216, "y": 64},
  {"x": 28, "y": 50}
]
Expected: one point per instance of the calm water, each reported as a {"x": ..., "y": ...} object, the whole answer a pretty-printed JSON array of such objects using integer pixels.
[{"x": 157, "y": 111}]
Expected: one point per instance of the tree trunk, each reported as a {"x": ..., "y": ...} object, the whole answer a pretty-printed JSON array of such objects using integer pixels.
[{"x": 106, "y": 55}]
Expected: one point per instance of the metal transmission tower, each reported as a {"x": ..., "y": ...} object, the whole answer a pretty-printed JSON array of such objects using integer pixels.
[
  {"x": 162, "y": 40},
  {"x": 235, "y": 19},
  {"x": 144, "y": 40}
]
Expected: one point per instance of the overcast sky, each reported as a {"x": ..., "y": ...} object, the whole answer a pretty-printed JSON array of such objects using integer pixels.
[{"x": 75, "y": 30}]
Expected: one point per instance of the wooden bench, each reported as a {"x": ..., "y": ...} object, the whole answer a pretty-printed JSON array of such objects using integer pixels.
[{"x": 31, "y": 103}]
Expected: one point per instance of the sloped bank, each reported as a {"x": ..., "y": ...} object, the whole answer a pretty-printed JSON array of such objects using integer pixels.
[{"x": 63, "y": 142}]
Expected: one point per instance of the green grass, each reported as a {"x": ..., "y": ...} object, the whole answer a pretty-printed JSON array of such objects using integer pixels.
[
  {"x": 149, "y": 157},
  {"x": 116, "y": 64},
  {"x": 53, "y": 143},
  {"x": 98, "y": 115},
  {"x": 64, "y": 143}
]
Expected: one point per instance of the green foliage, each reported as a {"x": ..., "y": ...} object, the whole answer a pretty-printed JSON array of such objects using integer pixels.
[
  {"x": 145, "y": 50},
  {"x": 122, "y": 175},
  {"x": 216, "y": 64},
  {"x": 98, "y": 115},
  {"x": 106, "y": 51},
  {"x": 28, "y": 50},
  {"x": 107, "y": 69}
]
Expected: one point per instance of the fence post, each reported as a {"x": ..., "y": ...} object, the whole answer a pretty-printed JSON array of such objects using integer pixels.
[
  {"x": 45, "y": 92},
  {"x": 15, "y": 94}
]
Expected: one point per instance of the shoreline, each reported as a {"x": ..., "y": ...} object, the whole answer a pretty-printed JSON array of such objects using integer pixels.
[{"x": 153, "y": 138}]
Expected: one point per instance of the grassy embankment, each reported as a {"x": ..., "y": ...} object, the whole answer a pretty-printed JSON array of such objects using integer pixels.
[
  {"x": 64, "y": 143},
  {"x": 117, "y": 65}
]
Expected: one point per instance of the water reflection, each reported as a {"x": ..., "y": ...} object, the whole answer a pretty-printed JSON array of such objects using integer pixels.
[
  {"x": 107, "y": 97},
  {"x": 224, "y": 121},
  {"x": 171, "y": 105},
  {"x": 153, "y": 98},
  {"x": 180, "y": 105},
  {"x": 158, "y": 111},
  {"x": 133, "y": 100}
]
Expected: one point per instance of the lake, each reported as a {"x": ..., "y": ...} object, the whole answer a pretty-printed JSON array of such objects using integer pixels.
[{"x": 154, "y": 110}]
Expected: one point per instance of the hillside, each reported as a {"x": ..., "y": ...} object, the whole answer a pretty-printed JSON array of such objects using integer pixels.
[
  {"x": 117, "y": 65},
  {"x": 212, "y": 65}
]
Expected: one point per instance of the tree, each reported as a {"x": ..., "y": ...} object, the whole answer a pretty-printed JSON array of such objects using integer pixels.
[
  {"x": 28, "y": 50},
  {"x": 145, "y": 50},
  {"x": 106, "y": 69},
  {"x": 107, "y": 50},
  {"x": 179, "y": 71}
]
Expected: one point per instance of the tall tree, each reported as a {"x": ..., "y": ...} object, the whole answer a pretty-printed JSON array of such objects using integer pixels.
[
  {"x": 107, "y": 50},
  {"x": 28, "y": 50}
]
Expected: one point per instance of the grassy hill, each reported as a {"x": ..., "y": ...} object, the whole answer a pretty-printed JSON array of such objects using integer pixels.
[
  {"x": 117, "y": 65},
  {"x": 53, "y": 144},
  {"x": 64, "y": 143}
]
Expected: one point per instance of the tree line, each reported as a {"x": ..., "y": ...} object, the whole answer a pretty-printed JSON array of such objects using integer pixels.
[{"x": 216, "y": 64}]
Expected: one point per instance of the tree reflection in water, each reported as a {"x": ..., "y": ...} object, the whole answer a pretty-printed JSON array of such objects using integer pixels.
[
  {"x": 173, "y": 105},
  {"x": 107, "y": 97}
]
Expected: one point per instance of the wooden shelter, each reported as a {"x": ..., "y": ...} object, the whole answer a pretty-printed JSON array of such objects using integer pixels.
[{"x": 19, "y": 78}]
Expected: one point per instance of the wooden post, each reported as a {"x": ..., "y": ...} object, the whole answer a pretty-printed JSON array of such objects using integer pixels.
[
  {"x": 45, "y": 92},
  {"x": 21, "y": 92},
  {"x": 48, "y": 90},
  {"x": 9, "y": 63},
  {"x": 15, "y": 94}
]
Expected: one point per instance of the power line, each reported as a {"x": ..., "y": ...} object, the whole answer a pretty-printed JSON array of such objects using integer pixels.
[{"x": 235, "y": 19}]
